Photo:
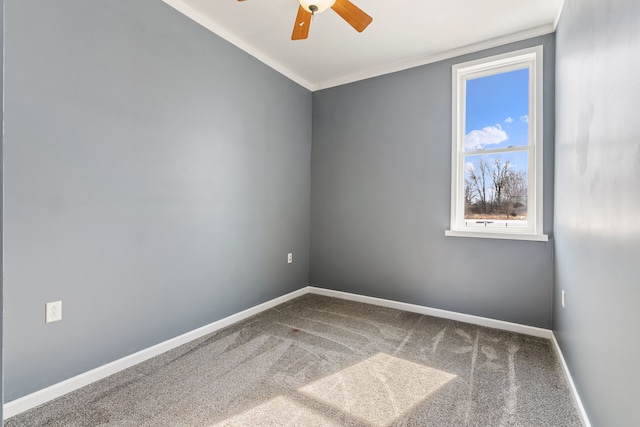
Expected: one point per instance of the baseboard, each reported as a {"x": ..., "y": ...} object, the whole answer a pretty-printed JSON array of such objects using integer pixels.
[
  {"x": 39, "y": 397},
  {"x": 567, "y": 374},
  {"x": 435, "y": 312},
  {"x": 476, "y": 320}
]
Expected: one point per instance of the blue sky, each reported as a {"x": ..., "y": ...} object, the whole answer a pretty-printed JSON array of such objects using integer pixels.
[
  {"x": 497, "y": 116},
  {"x": 497, "y": 110}
]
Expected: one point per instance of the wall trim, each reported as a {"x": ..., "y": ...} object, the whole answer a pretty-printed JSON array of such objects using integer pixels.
[
  {"x": 39, "y": 397},
  {"x": 183, "y": 7},
  {"x": 54, "y": 391},
  {"x": 468, "y": 318},
  {"x": 436, "y": 312},
  {"x": 556, "y": 21},
  {"x": 442, "y": 56},
  {"x": 567, "y": 374}
]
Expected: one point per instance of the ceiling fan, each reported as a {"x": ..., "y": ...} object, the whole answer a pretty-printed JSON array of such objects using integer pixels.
[{"x": 347, "y": 10}]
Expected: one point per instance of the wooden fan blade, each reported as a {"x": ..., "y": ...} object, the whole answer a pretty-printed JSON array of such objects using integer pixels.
[
  {"x": 301, "y": 27},
  {"x": 352, "y": 14}
]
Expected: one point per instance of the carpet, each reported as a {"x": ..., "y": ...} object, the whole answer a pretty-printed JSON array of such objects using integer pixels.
[{"x": 320, "y": 361}]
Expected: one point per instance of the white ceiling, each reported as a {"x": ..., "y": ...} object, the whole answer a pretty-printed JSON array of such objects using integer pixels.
[{"x": 403, "y": 34}]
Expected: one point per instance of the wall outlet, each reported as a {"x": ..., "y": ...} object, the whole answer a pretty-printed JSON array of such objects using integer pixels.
[
  {"x": 53, "y": 311},
  {"x": 289, "y": 258},
  {"x": 562, "y": 299}
]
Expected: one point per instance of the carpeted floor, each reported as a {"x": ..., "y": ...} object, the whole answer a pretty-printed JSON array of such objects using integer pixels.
[{"x": 318, "y": 361}]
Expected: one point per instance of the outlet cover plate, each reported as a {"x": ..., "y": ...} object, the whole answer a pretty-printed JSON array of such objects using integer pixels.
[{"x": 53, "y": 311}]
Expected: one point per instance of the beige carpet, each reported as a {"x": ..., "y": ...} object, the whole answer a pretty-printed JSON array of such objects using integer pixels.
[{"x": 318, "y": 361}]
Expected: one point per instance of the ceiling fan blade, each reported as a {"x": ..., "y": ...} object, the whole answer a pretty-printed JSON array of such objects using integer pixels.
[
  {"x": 352, "y": 14},
  {"x": 301, "y": 27}
]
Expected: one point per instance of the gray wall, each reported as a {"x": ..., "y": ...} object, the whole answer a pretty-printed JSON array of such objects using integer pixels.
[
  {"x": 1, "y": 208},
  {"x": 380, "y": 200},
  {"x": 597, "y": 245},
  {"x": 156, "y": 177}
]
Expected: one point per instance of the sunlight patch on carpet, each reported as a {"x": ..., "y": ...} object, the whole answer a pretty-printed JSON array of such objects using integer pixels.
[
  {"x": 279, "y": 411},
  {"x": 379, "y": 389}
]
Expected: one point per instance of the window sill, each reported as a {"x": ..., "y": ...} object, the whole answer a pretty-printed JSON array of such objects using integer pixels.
[{"x": 503, "y": 236}]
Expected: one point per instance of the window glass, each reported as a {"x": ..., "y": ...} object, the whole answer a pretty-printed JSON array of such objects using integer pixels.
[
  {"x": 497, "y": 111},
  {"x": 496, "y": 181},
  {"x": 496, "y": 190}
]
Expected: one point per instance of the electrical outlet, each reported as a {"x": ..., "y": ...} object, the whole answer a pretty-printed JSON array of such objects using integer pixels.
[
  {"x": 53, "y": 312},
  {"x": 290, "y": 258},
  {"x": 562, "y": 299}
]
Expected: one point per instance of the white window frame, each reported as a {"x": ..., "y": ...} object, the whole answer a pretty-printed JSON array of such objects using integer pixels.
[{"x": 530, "y": 58}]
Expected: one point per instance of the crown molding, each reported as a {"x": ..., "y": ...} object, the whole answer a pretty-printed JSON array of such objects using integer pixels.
[
  {"x": 220, "y": 31},
  {"x": 182, "y": 7}
]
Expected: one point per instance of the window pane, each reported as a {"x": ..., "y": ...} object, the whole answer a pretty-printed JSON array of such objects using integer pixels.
[
  {"x": 495, "y": 190},
  {"x": 497, "y": 111}
]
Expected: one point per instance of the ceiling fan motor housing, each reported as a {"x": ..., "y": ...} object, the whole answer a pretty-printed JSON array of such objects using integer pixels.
[{"x": 320, "y": 5}]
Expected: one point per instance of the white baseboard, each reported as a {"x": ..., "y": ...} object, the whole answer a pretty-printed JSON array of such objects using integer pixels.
[
  {"x": 435, "y": 312},
  {"x": 476, "y": 320},
  {"x": 39, "y": 397},
  {"x": 574, "y": 390}
]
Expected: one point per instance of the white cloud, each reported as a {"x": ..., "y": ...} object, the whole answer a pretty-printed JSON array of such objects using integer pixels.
[
  {"x": 478, "y": 139},
  {"x": 508, "y": 120},
  {"x": 524, "y": 119},
  {"x": 468, "y": 167}
]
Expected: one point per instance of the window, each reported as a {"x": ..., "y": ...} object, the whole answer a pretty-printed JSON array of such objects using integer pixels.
[{"x": 496, "y": 177}]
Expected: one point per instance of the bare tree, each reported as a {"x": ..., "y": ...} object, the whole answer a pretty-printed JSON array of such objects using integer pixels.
[
  {"x": 478, "y": 184},
  {"x": 494, "y": 187},
  {"x": 501, "y": 175},
  {"x": 469, "y": 195},
  {"x": 517, "y": 191}
]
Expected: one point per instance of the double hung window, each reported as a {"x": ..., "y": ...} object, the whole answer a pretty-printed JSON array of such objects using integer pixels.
[{"x": 496, "y": 188}]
